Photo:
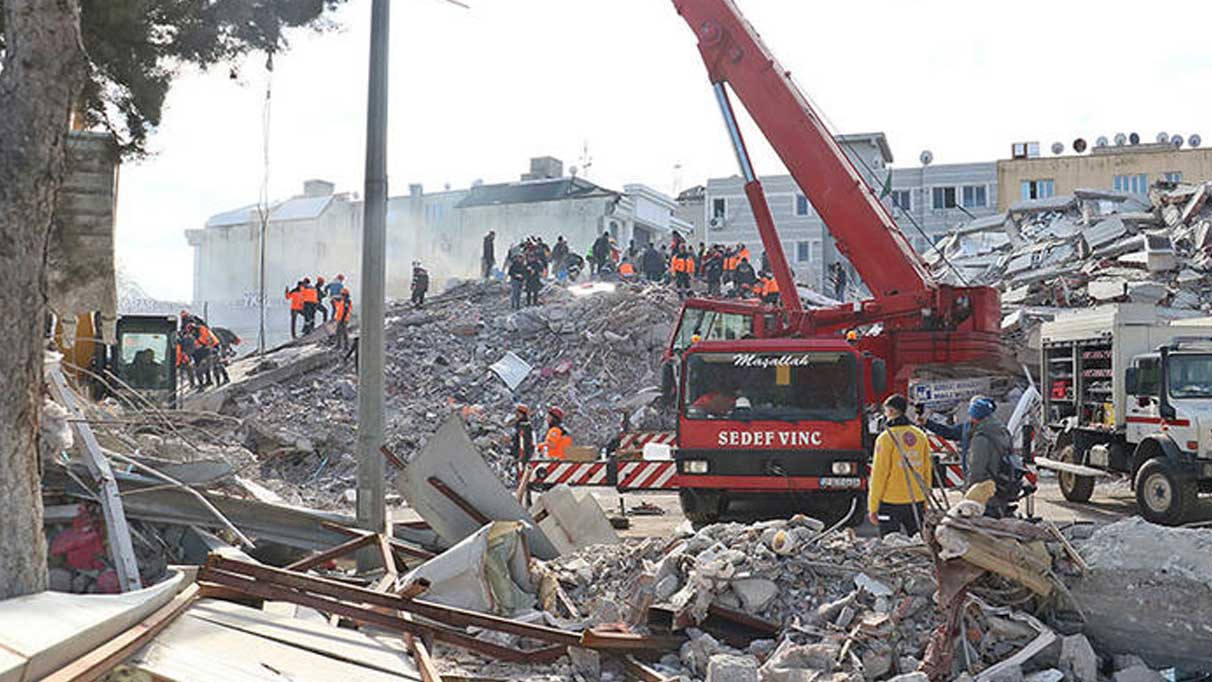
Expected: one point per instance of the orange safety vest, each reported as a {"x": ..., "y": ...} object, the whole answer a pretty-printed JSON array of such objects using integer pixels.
[
  {"x": 730, "y": 263},
  {"x": 296, "y": 299},
  {"x": 689, "y": 264},
  {"x": 310, "y": 295},
  {"x": 742, "y": 255},
  {"x": 626, "y": 269},
  {"x": 557, "y": 442},
  {"x": 206, "y": 336},
  {"x": 770, "y": 286},
  {"x": 181, "y": 360},
  {"x": 342, "y": 308}
]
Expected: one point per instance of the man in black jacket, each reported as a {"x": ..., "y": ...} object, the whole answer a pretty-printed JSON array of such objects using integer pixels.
[
  {"x": 652, "y": 264},
  {"x": 488, "y": 258},
  {"x": 517, "y": 280},
  {"x": 600, "y": 252},
  {"x": 744, "y": 279}
]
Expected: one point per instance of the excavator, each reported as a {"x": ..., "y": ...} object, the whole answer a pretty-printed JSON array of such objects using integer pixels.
[
  {"x": 774, "y": 400},
  {"x": 140, "y": 365}
]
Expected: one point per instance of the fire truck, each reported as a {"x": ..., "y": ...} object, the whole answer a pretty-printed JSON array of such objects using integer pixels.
[{"x": 773, "y": 400}]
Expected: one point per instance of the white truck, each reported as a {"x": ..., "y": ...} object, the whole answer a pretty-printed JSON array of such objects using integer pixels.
[{"x": 1128, "y": 390}]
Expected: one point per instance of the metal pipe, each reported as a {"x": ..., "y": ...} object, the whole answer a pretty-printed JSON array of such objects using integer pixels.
[
  {"x": 734, "y": 132},
  {"x": 371, "y": 510}
]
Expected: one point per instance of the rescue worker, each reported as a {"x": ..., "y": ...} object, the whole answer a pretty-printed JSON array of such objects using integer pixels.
[
  {"x": 713, "y": 271},
  {"x": 217, "y": 367},
  {"x": 744, "y": 278},
  {"x": 295, "y": 296},
  {"x": 534, "y": 279},
  {"x": 960, "y": 433},
  {"x": 557, "y": 441},
  {"x": 731, "y": 261},
  {"x": 420, "y": 284},
  {"x": 188, "y": 318},
  {"x": 311, "y": 301},
  {"x": 523, "y": 438},
  {"x": 559, "y": 258},
  {"x": 185, "y": 351},
  {"x": 517, "y": 280},
  {"x": 488, "y": 256},
  {"x": 651, "y": 263},
  {"x": 626, "y": 269},
  {"x": 989, "y": 449},
  {"x": 600, "y": 252},
  {"x": 334, "y": 291},
  {"x": 838, "y": 277},
  {"x": 342, "y": 309},
  {"x": 321, "y": 293},
  {"x": 768, "y": 288},
  {"x": 201, "y": 357},
  {"x": 900, "y": 473},
  {"x": 682, "y": 267}
]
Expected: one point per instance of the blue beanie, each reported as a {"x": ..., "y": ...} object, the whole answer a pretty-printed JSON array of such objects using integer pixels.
[{"x": 980, "y": 408}]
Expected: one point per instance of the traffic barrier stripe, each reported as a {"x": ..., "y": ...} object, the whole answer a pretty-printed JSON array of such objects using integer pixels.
[
  {"x": 646, "y": 475},
  {"x": 572, "y": 473},
  {"x": 636, "y": 441}
]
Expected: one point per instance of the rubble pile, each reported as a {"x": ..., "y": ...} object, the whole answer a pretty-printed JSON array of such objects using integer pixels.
[
  {"x": 1087, "y": 248},
  {"x": 587, "y": 353},
  {"x": 837, "y": 605}
]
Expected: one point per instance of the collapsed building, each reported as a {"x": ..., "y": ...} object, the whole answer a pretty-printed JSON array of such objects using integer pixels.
[{"x": 1084, "y": 249}]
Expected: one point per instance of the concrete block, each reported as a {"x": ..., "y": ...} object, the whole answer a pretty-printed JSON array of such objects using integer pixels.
[
  {"x": 729, "y": 668},
  {"x": 1078, "y": 659},
  {"x": 1137, "y": 673},
  {"x": 754, "y": 593},
  {"x": 574, "y": 521}
]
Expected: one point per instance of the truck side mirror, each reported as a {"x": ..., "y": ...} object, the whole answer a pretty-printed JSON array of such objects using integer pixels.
[
  {"x": 879, "y": 376},
  {"x": 1131, "y": 380}
]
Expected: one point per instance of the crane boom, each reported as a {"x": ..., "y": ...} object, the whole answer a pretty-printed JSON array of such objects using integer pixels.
[{"x": 860, "y": 224}]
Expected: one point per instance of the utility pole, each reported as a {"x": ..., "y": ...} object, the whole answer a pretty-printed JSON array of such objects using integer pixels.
[{"x": 372, "y": 514}]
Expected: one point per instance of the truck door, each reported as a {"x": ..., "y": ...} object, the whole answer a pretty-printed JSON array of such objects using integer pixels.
[{"x": 1141, "y": 406}]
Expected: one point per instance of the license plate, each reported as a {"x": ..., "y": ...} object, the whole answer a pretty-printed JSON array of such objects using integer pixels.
[{"x": 843, "y": 482}]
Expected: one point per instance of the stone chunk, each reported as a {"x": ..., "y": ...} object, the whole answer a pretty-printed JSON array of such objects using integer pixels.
[
  {"x": 1078, "y": 659},
  {"x": 754, "y": 593},
  {"x": 1137, "y": 673},
  {"x": 729, "y": 668}
]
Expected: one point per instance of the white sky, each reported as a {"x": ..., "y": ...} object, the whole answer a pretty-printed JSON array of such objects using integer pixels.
[{"x": 475, "y": 94}]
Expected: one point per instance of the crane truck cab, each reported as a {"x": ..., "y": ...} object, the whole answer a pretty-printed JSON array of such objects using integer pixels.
[
  {"x": 704, "y": 319},
  {"x": 774, "y": 417},
  {"x": 1130, "y": 392}
]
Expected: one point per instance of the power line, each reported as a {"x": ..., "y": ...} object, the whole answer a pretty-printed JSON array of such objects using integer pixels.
[{"x": 263, "y": 198}]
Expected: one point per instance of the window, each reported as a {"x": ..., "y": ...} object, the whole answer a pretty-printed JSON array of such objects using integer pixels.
[
  {"x": 143, "y": 362},
  {"x": 803, "y": 252},
  {"x": 1137, "y": 183},
  {"x": 709, "y": 325},
  {"x": 1148, "y": 373},
  {"x": 902, "y": 199},
  {"x": 1190, "y": 376},
  {"x": 1174, "y": 176},
  {"x": 975, "y": 197},
  {"x": 719, "y": 208},
  {"x": 1038, "y": 189},
  {"x": 783, "y": 386},
  {"x": 944, "y": 197},
  {"x": 802, "y": 207}
]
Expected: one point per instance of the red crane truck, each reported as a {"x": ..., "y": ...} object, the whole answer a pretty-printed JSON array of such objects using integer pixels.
[{"x": 773, "y": 399}]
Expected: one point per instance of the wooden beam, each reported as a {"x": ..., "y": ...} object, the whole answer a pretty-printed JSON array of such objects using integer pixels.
[{"x": 96, "y": 663}]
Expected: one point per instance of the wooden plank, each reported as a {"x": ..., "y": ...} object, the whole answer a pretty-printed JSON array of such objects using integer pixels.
[
  {"x": 121, "y": 550},
  {"x": 104, "y": 658},
  {"x": 637, "y": 670},
  {"x": 420, "y": 654},
  {"x": 389, "y": 556}
]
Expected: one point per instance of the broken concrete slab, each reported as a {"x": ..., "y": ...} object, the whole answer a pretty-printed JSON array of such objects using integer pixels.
[
  {"x": 512, "y": 369},
  {"x": 1060, "y": 202},
  {"x": 253, "y": 373},
  {"x": 451, "y": 459},
  {"x": 754, "y": 593},
  {"x": 1078, "y": 659},
  {"x": 571, "y": 520},
  {"x": 488, "y": 571},
  {"x": 1104, "y": 232},
  {"x": 730, "y": 668},
  {"x": 1137, "y": 673}
]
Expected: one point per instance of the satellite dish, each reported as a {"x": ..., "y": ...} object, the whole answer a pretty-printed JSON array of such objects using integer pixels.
[
  {"x": 1177, "y": 141},
  {"x": 1194, "y": 141},
  {"x": 1134, "y": 138},
  {"x": 1058, "y": 148},
  {"x": 1120, "y": 139},
  {"x": 927, "y": 157},
  {"x": 1162, "y": 137},
  {"x": 1079, "y": 145},
  {"x": 1101, "y": 141}
]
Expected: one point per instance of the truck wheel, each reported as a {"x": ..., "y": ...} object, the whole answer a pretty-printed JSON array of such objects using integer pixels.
[
  {"x": 1164, "y": 494},
  {"x": 701, "y": 507},
  {"x": 1075, "y": 488}
]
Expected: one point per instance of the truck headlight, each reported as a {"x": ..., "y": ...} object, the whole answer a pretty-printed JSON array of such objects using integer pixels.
[
  {"x": 695, "y": 466},
  {"x": 845, "y": 468}
]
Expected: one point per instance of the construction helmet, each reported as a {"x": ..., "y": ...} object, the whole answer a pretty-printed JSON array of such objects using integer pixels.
[
  {"x": 523, "y": 409},
  {"x": 345, "y": 292},
  {"x": 556, "y": 412}
]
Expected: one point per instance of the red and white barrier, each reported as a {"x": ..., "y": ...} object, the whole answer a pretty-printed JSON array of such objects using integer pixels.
[
  {"x": 637, "y": 440},
  {"x": 647, "y": 475},
  {"x": 572, "y": 473}
]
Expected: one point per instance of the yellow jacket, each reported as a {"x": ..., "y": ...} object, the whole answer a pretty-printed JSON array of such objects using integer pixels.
[{"x": 888, "y": 482}]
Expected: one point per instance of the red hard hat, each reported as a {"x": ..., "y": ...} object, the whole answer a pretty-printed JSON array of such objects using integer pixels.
[
  {"x": 556, "y": 412},
  {"x": 523, "y": 408}
]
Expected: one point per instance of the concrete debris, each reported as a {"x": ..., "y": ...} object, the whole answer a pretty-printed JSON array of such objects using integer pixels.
[
  {"x": 1078, "y": 660},
  {"x": 729, "y": 668},
  {"x": 573, "y": 519},
  {"x": 488, "y": 572},
  {"x": 1092, "y": 247},
  {"x": 587, "y": 354}
]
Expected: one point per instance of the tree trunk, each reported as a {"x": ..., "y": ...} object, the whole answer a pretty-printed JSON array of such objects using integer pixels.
[{"x": 41, "y": 78}]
